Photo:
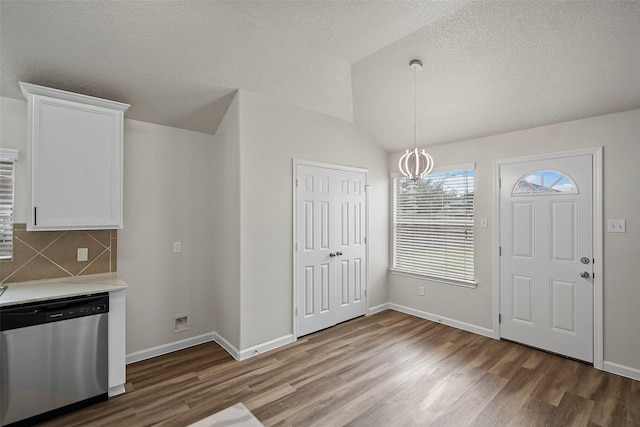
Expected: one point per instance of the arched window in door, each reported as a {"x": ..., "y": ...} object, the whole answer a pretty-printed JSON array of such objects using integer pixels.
[{"x": 545, "y": 182}]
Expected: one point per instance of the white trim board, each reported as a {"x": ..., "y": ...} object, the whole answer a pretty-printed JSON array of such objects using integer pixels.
[
  {"x": 378, "y": 309},
  {"x": 479, "y": 330},
  {"x": 266, "y": 346},
  {"x": 148, "y": 353},
  {"x": 252, "y": 351},
  {"x": 598, "y": 242},
  {"x": 622, "y": 370}
]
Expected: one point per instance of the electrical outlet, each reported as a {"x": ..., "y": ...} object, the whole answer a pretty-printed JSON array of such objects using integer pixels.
[
  {"x": 421, "y": 291},
  {"x": 177, "y": 247},
  {"x": 83, "y": 254},
  {"x": 181, "y": 323}
]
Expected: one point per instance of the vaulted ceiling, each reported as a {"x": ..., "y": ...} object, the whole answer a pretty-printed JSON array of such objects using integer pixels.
[{"x": 489, "y": 66}]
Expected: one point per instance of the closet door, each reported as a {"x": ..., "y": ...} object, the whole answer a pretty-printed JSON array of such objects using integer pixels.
[{"x": 330, "y": 251}]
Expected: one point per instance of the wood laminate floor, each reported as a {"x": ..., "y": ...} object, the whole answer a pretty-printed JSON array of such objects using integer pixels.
[{"x": 388, "y": 369}]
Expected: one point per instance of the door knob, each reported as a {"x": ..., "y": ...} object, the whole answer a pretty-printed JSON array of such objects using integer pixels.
[
  {"x": 339, "y": 253},
  {"x": 584, "y": 275},
  {"x": 332, "y": 254}
]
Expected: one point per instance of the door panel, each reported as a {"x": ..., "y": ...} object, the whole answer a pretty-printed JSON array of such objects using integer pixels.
[
  {"x": 564, "y": 231},
  {"x": 564, "y": 310},
  {"x": 314, "y": 269},
  {"x": 523, "y": 230},
  {"x": 545, "y": 228},
  {"x": 352, "y": 248},
  {"x": 522, "y": 298},
  {"x": 331, "y": 254}
]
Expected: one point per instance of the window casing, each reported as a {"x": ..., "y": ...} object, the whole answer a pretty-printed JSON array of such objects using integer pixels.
[
  {"x": 7, "y": 187},
  {"x": 433, "y": 225}
]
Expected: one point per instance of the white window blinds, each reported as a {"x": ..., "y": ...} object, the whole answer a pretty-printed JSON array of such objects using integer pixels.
[
  {"x": 433, "y": 225},
  {"x": 7, "y": 185}
]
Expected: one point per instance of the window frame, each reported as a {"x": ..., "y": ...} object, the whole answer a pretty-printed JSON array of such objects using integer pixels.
[
  {"x": 419, "y": 275},
  {"x": 8, "y": 156}
]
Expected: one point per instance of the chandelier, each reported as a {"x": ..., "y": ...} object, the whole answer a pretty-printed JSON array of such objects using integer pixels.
[{"x": 415, "y": 163}]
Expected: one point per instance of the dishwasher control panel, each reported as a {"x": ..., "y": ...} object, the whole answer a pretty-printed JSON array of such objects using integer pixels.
[
  {"x": 29, "y": 314},
  {"x": 70, "y": 313}
]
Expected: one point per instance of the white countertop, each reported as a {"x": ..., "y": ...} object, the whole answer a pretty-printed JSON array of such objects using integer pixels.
[{"x": 41, "y": 290}]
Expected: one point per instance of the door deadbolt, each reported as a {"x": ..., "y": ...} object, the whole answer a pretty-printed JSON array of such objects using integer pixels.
[{"x": 585, "y": 260}]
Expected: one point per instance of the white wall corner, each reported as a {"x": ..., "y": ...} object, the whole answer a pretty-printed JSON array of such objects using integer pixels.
[
  {"x": 622, "y": 370},
  {"x": 170, "y": 347},
  {"x": 444, "y": 320}
]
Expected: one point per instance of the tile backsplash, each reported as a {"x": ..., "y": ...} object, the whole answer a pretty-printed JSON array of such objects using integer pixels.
[{"x": 53, "y": 254}]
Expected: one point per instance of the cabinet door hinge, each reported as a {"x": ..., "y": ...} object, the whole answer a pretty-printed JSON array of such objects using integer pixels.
[
  {"x": 296, "y": 311},
  {"x": 499, "y": 318},
  {"x": 499, "y": 250},
  {"x": 499, "y": 182},
  {"x": 296, "y": 182},
  {"x": 35, "y": 215}
]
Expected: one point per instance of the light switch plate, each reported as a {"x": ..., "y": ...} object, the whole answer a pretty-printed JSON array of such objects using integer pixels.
[
  {"x": 177, "y": 247},
  {"x": 484, "y": 223},
  {"x": 616, "y": 226}
]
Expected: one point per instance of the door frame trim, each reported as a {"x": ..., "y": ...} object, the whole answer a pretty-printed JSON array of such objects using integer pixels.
[
  {"x": 598, "y": 298},
  {"x": 294, "y": 166}
]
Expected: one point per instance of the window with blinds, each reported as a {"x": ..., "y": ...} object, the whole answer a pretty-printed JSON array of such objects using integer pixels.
[
  {"x": 7, "y": 185},
  {"x": 433, "y": 225}
]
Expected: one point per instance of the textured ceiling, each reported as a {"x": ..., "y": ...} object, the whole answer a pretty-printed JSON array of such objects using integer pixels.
[
  {"x": 490, "y": 67},
  {"x": 495, "y": 67}
]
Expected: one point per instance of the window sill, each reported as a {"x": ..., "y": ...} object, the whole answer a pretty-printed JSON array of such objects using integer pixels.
[{"x": 455, "y": 282}]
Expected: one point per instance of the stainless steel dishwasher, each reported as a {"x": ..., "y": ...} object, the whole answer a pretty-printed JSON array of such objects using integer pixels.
[{"x": 53, "y": 357}]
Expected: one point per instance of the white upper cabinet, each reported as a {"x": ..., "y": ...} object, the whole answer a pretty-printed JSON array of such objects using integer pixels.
[{"x": 75, "y": 160}]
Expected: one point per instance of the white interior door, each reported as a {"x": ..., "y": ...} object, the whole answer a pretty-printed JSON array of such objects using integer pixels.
[
  {"x": 330, "y": 273},
  {"x": 546, "y": 262}
]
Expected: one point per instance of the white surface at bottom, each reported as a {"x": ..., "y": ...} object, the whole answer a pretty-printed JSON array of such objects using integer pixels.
[{"x": 237, "y": 416}]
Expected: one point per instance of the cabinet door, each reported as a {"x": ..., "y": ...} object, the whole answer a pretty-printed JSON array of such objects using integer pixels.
[{"x": 76, "y": 165}]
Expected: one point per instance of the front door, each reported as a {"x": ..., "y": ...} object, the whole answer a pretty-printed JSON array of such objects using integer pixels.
[
  {"x": 546, "y": 261},
  {"x": 330, "y": 272}
]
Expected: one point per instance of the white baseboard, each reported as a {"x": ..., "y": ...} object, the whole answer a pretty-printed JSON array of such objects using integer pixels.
[
  {"x": 169, "y": 348},
  {"x": 269, "y": 345},
  {"x": 201, "y": 339},
  {"x": 622, "y": 370},
  {"x": 287, "y": 339},
  {"x": 444, "y": 320},
  {"x": 252, "y": 351},
  {"x": 227, "y": 346},
  {"x": 378, "y": 309}
]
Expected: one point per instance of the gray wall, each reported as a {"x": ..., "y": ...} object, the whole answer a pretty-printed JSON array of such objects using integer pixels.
[
  {"x": 619, "y": 134},
  {"x": 273, "y": 133}
]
